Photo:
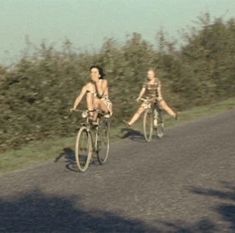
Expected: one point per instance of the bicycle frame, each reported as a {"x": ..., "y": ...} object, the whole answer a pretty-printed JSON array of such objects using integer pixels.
[
  {"x": 152, "y": 107},
  {"x": 153, "y": 103},
  {"x": 93, "y": 129}
]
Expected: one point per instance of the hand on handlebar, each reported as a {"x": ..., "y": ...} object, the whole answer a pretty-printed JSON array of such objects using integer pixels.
[
  {"x": 138, "y": 99},
  {"x": 72, "y": 109}
]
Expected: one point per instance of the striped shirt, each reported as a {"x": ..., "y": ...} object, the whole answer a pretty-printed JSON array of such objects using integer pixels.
[{"x": 152, "y": 90}]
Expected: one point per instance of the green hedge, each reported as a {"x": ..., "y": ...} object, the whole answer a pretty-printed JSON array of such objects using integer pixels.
[{"x": 36, "y": 93}]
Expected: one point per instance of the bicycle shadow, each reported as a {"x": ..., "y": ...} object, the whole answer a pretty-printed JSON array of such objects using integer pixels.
[
  {"x": 69, "y": 158},
  {"x": 132, "y": 134}
]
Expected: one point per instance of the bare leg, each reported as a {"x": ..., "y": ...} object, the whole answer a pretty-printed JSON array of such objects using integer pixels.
[
  {"x": 96, "y": 106},
  {"x": 103, "y": 106},
  {"x": 136, "y": 116},
  {"x": 91, "y": 106},
  {"x": 90, "y": 101},
  {"x": 164, "y": 106}
]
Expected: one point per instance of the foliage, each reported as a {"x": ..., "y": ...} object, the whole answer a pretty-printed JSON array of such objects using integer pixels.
[{"x": 36, "y": 93}]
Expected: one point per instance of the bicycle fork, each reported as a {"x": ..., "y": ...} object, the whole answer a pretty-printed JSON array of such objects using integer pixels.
[{"x": 157, "y": 118}]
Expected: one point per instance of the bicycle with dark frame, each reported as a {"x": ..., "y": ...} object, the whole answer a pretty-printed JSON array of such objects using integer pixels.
[{"x": 92, "y": 140}]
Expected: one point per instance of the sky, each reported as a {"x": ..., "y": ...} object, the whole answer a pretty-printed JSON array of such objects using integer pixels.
[{"x": 86, "y": 23}]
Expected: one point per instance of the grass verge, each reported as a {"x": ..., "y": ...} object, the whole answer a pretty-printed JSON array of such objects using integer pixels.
[{"x": 37, "y": 152}]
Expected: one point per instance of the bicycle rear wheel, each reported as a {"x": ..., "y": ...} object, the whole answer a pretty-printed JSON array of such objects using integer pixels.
[
  {"x": 148, "y": 125},
  {"x": 160, "y": 130},
  {"x": 102, "y": 141},
  {"x": 83, "y": 149}
]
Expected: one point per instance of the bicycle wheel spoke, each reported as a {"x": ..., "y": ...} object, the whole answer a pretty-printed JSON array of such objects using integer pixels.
[
  {"x": 102, "y": 145},
  {"x": 160, "y": 126},
  {"x": 148, "y": 125},
  {"x": 83, "y": 149}
]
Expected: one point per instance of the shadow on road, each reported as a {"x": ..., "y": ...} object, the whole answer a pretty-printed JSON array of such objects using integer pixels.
[
  {"x": 38, "y": 212},
  {"x": 69, "y": 158},
  {"x": 69, "y": 155},
  {"x": 132, "y": 134},
  {"x": 227, "y": 208}
]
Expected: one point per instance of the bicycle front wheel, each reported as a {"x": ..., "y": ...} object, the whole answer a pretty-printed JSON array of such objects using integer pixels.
[
  {"x": 83, "y": 149},
  {"x": 148, "y": 125},
  {"x": 102, "y": 141}
]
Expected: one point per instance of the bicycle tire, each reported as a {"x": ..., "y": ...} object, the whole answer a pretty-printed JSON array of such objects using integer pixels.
[
  {"x": 102, "y": 141},
  {"x": 83, "y": 152},
  {"x": 148, "y": 125}
]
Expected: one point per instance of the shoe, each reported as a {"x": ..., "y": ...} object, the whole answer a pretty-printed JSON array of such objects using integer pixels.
[
  {"x": 176, "y": 116},
  {"x": 155, "y": 123},
  {"x": 107, "y": 116},
  {"x": 93, "y": 122},
  {"x": 126, "y": 123}
]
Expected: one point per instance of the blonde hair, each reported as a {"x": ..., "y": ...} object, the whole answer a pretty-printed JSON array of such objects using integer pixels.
[{"x": 154, "y": 71}]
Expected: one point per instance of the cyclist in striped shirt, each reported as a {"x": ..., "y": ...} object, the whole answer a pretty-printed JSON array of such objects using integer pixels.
[{"x": 151, "y": 90}]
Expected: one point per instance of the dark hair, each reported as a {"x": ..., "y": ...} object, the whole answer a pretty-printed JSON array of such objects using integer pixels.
[{"x": 100, "y": 69}]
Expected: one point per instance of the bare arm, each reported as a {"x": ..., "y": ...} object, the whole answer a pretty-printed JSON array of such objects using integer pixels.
[
  {"x": 141, "y": 93},
  {"x": 106, "y": 88},
  {"x": 159, "y": 91},
  {"x": 80, "y": 97}
]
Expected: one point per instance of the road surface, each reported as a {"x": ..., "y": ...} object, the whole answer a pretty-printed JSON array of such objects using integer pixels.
[{"x": 184, "y": 182}]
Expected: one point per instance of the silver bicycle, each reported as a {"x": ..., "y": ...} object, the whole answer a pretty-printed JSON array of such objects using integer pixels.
[{"x": 153, "y": 119}]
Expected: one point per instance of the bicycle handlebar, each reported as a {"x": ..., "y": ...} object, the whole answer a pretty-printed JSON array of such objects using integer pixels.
[
  {"x": 95, "y": 110},
  {"x": 76, "y": 110},
  {"x": 149, "y": 100}
]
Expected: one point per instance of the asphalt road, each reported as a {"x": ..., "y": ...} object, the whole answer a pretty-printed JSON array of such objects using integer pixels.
[{"x": 184, "y": 182}]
